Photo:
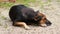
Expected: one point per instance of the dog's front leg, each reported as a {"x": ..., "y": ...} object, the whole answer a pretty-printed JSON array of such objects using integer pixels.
[{"x": 22, "y": 24}]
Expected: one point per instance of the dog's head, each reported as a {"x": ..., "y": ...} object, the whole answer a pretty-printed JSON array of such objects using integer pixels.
[{"x": 42, "y": 20}]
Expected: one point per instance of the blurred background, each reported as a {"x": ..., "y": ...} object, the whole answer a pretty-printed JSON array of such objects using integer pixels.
[{"x": 41, "y": 3}]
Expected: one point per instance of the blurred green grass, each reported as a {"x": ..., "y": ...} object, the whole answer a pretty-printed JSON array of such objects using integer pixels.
[
  {"x": 6, "y": 4},
  {"x": 9, "y": 4},
  {"x": 41, "y": 3},
  {"x": 25, "y": 2}
]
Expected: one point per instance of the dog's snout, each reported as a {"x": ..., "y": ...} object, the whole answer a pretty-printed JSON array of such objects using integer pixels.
[{"x": 48, "y": 23}]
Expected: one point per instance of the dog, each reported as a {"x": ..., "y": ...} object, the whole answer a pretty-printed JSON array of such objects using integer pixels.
[{"x": 21, "y": 15}]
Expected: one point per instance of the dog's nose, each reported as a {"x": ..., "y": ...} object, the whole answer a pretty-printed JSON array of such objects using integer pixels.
[{"x": 48, "y": 23}]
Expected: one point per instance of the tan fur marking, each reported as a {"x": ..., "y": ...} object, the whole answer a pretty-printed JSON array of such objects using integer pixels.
[{"x": 22, "y": 24}]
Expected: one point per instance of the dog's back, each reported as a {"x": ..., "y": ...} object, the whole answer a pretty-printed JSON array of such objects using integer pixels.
[
  {"x": 21, "y": 13},
  {"x": 15, "y": 11}
]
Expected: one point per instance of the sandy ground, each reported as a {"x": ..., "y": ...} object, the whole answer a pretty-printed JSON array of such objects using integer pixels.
[{"x": 52, "y": 12}]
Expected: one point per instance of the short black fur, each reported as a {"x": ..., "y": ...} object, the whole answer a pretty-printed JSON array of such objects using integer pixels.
[{"x": 21, "y": 13}]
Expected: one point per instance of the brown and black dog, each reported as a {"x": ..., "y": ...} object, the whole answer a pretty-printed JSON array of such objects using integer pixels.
[{"x": 23, "y": 16}]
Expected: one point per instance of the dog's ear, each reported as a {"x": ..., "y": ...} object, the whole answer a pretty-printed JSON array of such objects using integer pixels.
[
  {"x": 37, "y": 17},
  {"x": 37, "y": 11}
]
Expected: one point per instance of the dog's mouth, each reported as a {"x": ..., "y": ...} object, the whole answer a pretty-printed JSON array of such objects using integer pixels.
[{"x": 48, "y": 23}]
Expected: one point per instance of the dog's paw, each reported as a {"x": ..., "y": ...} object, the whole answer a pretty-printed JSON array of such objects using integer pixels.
[{"x": 27, "y": 28}]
